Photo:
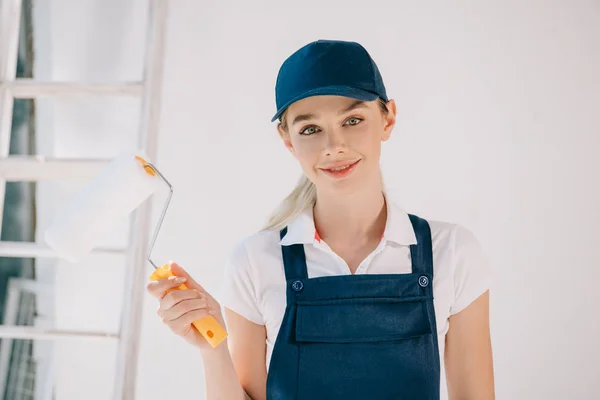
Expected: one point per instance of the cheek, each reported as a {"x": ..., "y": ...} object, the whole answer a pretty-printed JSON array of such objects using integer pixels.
[
  {"x": 306, "y": 150},
  {"x": 367, "y": 142}
]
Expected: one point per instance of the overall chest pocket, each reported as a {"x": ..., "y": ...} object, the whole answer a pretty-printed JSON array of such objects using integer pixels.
[
  {"x": 368, "y": 348},
  {"x": 365, "y": 320}
]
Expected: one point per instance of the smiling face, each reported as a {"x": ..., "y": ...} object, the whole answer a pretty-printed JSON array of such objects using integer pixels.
[{"x": 337, "y": 140}]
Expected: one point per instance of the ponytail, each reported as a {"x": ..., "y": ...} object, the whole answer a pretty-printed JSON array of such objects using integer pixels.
[{"x": 302, "y": 197}]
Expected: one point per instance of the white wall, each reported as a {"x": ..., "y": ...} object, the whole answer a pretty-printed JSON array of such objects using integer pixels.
[{"x": 498, "y": 129}]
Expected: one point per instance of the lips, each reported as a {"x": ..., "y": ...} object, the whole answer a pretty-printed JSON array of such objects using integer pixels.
[
  {"x": 340, "y": 166},
  {"x": 340, "y": 169}
]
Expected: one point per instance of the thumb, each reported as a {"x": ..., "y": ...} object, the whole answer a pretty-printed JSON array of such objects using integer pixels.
[{"x": 189, "y": 281}]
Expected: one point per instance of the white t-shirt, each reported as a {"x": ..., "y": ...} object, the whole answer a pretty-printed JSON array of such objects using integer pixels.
[{"x": 255, "y": 288}]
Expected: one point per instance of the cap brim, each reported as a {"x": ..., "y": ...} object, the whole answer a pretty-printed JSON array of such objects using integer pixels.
[{"x": 345, "y": 91}]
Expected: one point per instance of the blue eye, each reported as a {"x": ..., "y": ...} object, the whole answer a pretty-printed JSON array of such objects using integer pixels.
[
  {"x": 309, "y": 130},
  {"x": 358, "y": 120},
  {"x": 306, "y": 130}
]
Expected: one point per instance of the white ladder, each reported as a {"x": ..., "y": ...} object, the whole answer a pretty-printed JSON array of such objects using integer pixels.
[{"x": 34, "y": 168}]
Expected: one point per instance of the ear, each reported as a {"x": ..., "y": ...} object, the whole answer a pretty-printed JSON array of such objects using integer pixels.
[
  {"x": 389, "y": 120},
  {"x": 285, "y": 136}
]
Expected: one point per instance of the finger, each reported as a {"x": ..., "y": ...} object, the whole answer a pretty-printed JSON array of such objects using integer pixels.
[
  {"x": 177, "y": 296},
  {"x": 182, "y": 323},
  {"x": 190, "y": 282},
  {"x": 159, "y": 287},
  {"x": 184, "y": 307}
]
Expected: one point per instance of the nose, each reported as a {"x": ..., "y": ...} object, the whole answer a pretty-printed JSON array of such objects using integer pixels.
[{"x": 335, "y": 142}]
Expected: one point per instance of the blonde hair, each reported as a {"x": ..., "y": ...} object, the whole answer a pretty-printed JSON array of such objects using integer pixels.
[{"x": 303, "y": 196}]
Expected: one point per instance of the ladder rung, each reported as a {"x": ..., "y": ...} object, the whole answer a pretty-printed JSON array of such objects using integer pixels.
[
  {"x": 29, "y": 332},
  {"x": 35, "y": 168},
  {"x": 32, "y": 250},
  {"x": 24, "y": 88}
]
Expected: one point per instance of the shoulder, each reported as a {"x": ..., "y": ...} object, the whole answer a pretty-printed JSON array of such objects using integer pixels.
[
  {"x": 252, "y": 265},
  {"x": 453, "y": 237},
  {"x": 455, "y": 246},
  {"x": 448, "y": 237},
  {"x": 460, "y": 261},
  {"x": 259, "y": 248}
]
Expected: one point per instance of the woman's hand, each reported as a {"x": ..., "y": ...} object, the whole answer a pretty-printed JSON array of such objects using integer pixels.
[{"x": 179, "y": 308}]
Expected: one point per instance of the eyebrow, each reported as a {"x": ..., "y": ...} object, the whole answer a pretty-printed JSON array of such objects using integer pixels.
[{"x": 353, "y": 106}]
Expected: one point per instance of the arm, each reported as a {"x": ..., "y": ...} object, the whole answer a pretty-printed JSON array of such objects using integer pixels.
[
  {"x": 241, "y": 372},
  {"x": 220, "y": 376},
  {"x": 237, "y": 370},
  {"x": 247, "y": 341},
  {"x": 468, "y": 356},
  {"x": 248, "y": 347},
  {"x": 245, "y": 346}
]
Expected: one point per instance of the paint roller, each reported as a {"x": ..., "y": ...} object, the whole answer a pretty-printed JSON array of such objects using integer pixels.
[{"x": 125, "y": 183}]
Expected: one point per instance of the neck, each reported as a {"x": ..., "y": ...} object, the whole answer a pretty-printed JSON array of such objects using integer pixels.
[{"x": 351, "y": 218}]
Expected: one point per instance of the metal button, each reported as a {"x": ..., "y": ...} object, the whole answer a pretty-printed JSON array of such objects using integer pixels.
[
  {"x": 423, "y": 281},
  {"x": 297, "y": 286}
]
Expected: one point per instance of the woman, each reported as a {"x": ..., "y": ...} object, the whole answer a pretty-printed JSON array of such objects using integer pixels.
[{"x": 334, "y": 299}]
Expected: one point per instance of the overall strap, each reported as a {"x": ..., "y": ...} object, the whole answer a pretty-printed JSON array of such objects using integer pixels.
[
  {"x": 421, "y": 253},
  {"x": 294, "y": 260}
]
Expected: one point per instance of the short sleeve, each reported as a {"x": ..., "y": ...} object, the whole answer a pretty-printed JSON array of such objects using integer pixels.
[
  {"x": 238, "y": 291},
  {"x": 472, "y": 273}
]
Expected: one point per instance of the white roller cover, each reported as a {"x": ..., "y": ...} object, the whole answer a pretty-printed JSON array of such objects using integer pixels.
[{"x": 117, "y": 190}]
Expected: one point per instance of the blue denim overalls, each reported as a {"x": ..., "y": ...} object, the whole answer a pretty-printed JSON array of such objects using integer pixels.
[{"x": 370, "y": 337}]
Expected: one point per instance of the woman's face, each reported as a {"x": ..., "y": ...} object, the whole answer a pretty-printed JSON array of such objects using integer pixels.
[{"x": 337, "y": 140}]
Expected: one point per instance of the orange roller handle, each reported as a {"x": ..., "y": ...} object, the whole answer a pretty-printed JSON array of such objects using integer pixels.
[{"x": 208, "y": 327}]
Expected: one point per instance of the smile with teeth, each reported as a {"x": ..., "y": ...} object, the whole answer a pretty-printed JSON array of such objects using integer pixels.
[{"x": 340, "y": 168}]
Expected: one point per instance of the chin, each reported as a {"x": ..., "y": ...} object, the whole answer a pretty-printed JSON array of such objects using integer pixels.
[{"x": 348, "y": 185}]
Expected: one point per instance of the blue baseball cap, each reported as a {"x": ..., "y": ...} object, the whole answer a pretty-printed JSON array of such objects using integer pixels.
[{"x": 328, "y": 67}]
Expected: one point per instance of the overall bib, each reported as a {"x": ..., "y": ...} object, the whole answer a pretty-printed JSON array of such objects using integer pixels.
[{"x": 369, "y": 337}]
